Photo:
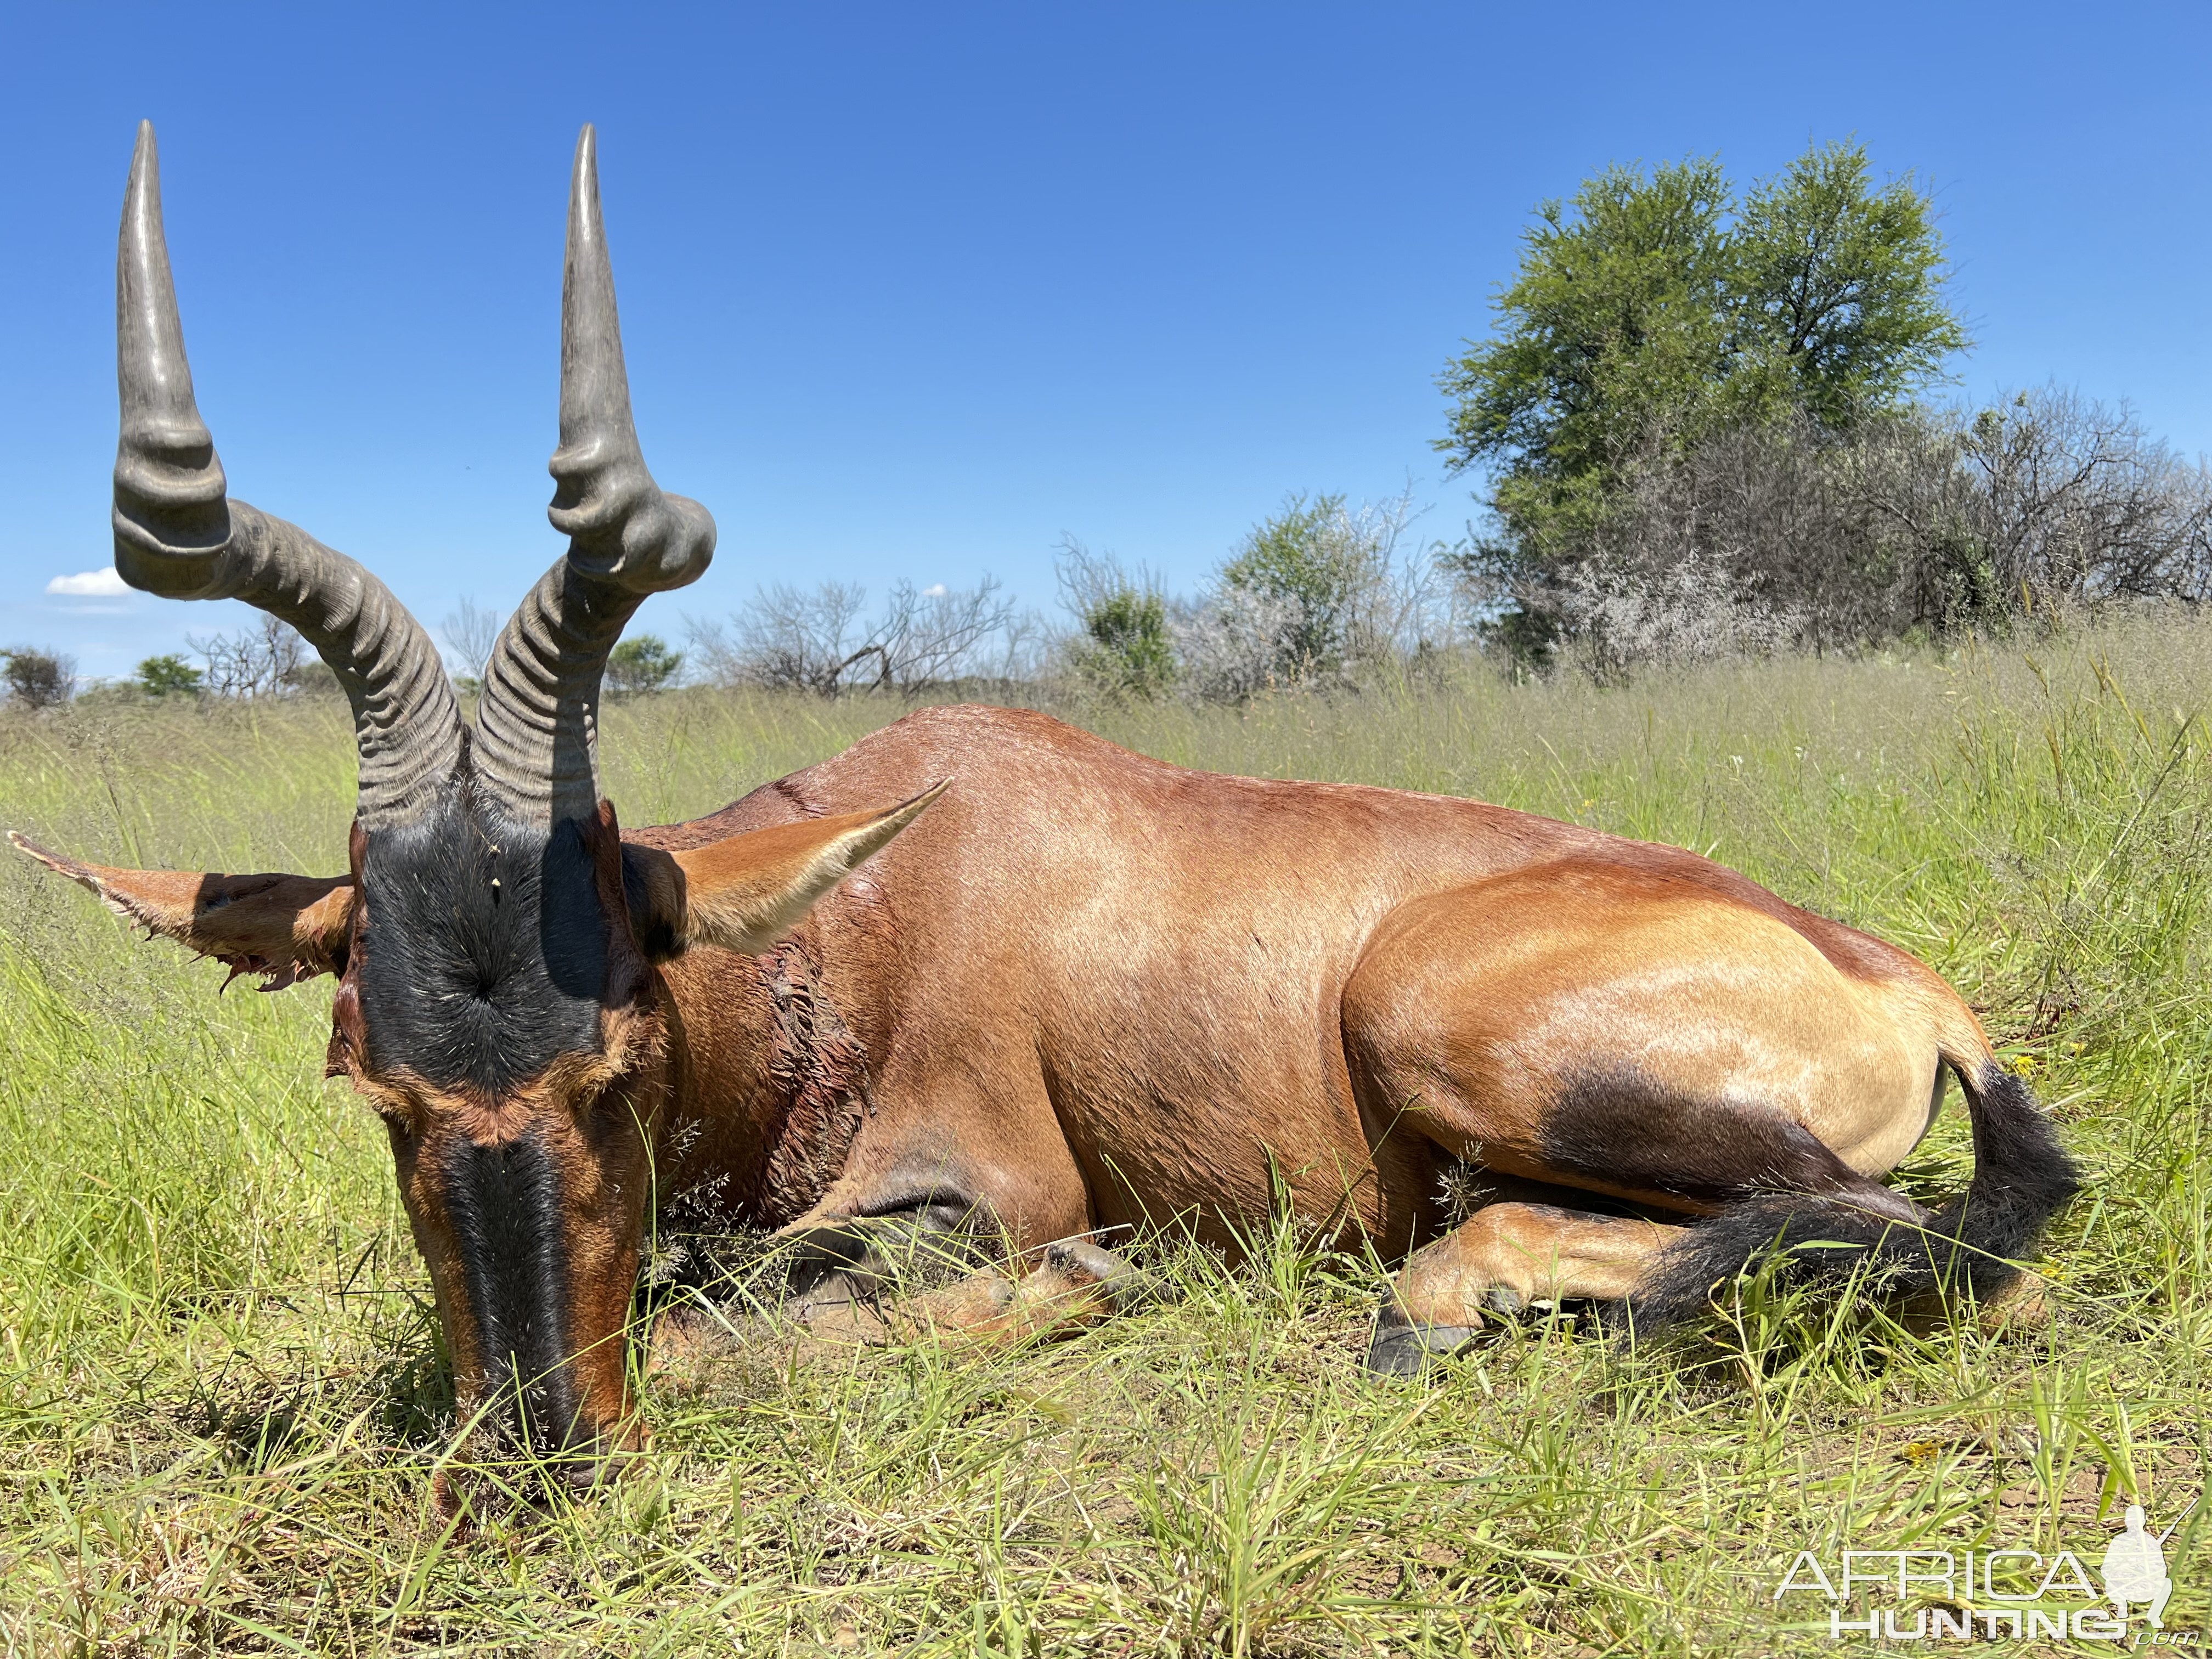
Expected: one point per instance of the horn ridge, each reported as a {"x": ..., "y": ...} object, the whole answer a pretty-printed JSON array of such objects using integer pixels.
[
  {"x": 178, "y": 534},
  {"x": 619, "y": 524},
  {"x": 169, "y": 485},
  {"x": 536, "y": 739},
  {"x": 599, "y": 468}
]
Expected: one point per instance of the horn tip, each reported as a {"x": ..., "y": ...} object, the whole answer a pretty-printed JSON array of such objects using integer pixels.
[
  {"x": 583, "y": 186},
  {"x": 144, "y": 157}
]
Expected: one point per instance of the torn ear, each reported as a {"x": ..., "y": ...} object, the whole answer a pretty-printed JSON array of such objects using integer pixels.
[
  {"x": 745, "y": 893},
  {"x": 285, "y": 929}
]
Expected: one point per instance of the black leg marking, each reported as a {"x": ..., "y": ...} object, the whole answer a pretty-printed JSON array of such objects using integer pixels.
[
  {"x": 2022, "y": 1177},
  {"x": 1619, "y": 1127}
]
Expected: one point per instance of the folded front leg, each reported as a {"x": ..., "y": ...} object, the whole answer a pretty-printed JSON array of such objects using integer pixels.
[{"x": 1070, "y": 1286}]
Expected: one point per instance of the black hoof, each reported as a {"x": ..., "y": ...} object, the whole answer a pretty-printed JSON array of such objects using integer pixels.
[
  {"x": 1078, "y": 1260},
  {"x": 1401, "y": 1348}
]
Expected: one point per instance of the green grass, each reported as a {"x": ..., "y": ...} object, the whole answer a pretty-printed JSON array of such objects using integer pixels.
[{"x": 220, "y": 1401}]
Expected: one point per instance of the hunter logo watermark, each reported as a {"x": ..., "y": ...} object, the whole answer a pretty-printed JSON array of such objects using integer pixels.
[{"x": 2015, "y": 1593}]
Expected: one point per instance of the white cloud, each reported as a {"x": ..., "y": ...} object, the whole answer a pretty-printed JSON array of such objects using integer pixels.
[
  {"x": 102, "y": 584},
  {"x": 935, "y": 590}
]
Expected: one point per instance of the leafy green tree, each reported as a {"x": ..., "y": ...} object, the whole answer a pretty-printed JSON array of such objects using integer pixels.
[
  {"x": 1124, "y": 642},
  {"x": 1655, "y": 310},
  {"x": 640, "y": 664},
  {"x": 1838, "y": 285},
  {"x": 166, "y": 676},
  {"x": 1617, "y": 326}
]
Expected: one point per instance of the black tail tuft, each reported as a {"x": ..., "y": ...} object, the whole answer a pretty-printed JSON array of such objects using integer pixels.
[{"x": 2022, "y": 1178}]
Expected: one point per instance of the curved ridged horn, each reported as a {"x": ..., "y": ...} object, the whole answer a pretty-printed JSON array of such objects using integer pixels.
[
  {"x": 178, "y": 534},
  {"x": 536, "y": 738}
]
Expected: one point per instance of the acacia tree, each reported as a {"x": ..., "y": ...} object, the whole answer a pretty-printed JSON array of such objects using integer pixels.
[
  {"x": 35, "y": 679},
  {"x": 1614, "y": 327},
  {"x": 1837, "y": 290},
  {"x": 266, "y": 658},
  {"x": 820, "y": 640},
  {"x": 1654, "y": 311},
  {"x": 470, "y": 631},
  {"x": 642, "y": 664}
]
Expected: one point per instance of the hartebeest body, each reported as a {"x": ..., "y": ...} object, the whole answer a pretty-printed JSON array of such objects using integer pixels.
[{"x": 1083, "y": 991}]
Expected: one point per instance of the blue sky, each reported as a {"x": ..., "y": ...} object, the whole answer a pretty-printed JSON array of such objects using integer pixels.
[{"x": 912, "y": 291}]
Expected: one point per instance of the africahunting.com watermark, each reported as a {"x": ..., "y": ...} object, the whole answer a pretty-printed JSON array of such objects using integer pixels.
[{"x": 1995, "y": 1595}]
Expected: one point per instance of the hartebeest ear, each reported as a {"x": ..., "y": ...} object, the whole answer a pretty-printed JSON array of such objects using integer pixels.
[
  {"x": 745, "y": 893},
  {"x": 285, "y": 929}
]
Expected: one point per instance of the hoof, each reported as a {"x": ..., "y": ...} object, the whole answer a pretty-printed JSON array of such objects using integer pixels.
[
  {"x": 1401, "y": 1348},
  {"x": 1080, "y": 1263}
]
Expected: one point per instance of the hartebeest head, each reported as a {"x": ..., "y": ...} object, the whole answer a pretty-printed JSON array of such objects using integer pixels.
[{"x": 498, "y": 1000}]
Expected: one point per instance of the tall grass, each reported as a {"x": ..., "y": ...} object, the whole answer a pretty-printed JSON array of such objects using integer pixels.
[{"x": 219, "y": 1397}]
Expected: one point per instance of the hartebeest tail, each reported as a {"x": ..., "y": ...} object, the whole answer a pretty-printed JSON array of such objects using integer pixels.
[{"x": 1970, "y": 1247}]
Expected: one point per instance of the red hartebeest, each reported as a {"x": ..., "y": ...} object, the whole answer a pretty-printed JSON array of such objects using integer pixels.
[{"x": 1083, "y": 990}]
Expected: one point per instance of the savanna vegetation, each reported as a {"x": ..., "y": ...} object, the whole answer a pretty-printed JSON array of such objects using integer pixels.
[
  {"x": 222, "y": 1404},
  {"x": 1706, "y": 423},
  {"x": 1709, "y": 421}
]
